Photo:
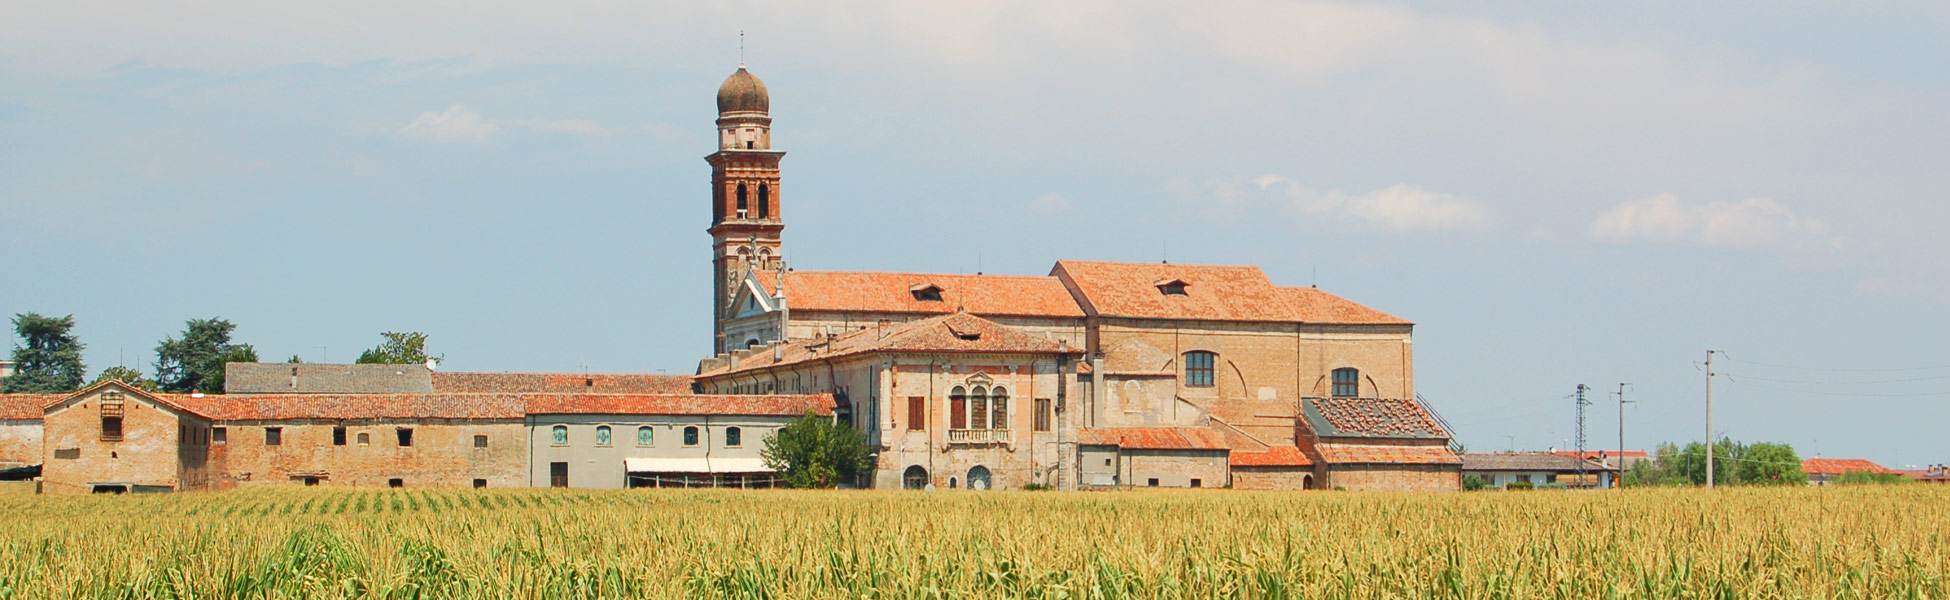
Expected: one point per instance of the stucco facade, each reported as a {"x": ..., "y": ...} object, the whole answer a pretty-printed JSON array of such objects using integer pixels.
[{"x": 575, "y": 444}]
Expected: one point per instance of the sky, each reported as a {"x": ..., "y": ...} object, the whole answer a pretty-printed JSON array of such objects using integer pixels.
[{"x": 1556, "y": 194}]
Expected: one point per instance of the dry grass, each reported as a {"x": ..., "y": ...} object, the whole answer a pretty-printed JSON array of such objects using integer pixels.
[{"x": 1863, "y": 542}]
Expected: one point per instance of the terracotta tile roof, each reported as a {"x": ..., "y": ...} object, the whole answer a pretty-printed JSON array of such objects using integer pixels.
[
  {"x": 1837, "y": 466},
  {"x": 1936, "y": 476},
  {"x": 1370, "y": 417},
  {"x": 1314, "y": 306},
  {"x": 325, "y": 378},
  {"x": 565, "y": 383},
  {"x": 26, "y": 407},
  {"x": 1529, "y": 461},
  {"x": 1403, "y": 455},
  {"x": 1593, "y": 454},
  {"x": 205, "y": 406},
  {"x": 1276, "y": 456},
  {"x": 776, "y": 405},
  {"x": 959, "y": 332},
  {"x": 1153, "y": 438},
  {"x": 881, "y": 292},
  {"x": 284, "y": 407}
]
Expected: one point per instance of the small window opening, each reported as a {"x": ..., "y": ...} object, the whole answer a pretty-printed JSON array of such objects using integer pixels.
[
  {"x": 1171, "y": 287},
  {"x": 311, "y": 481},
  {"x": 396, "y": 483},
  {"x": 602, "y": 435},
  {"x": 734, "y": 437},
  {"x": 480, "y": 441},
  {"x": 559, "y": 435},
  {"x": 748, "y": 145},
  {"x": 1347, "y": 382},
  {"x": 1198, "y": 483},
  {"x": 690, "y": 436},
  {"x": 480, "y": 483},
  {"x": 338, "y": 435},
  {"x": 405, "y": 435},
  {"x": 558, "y": 474},
  {"x": 764, "y": 199},
  {"x": 1198, "y": 368},
  {"x": 219, "y": 435},
  {"x": 588, "y": 382},
  {"x": 273, "y": 436},
  {"x": 741, "y": 200},
  {"x": 1153, "y": 482},
  {"x": 365, "y": 439},
  {"x": 111, "y": 416},
  {"x": 926, "y": 292}
]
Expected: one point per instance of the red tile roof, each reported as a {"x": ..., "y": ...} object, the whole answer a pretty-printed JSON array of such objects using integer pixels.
[
  {"x": 881, "y": 292},
  {"x": 284, "y": 407},
  {"x": 1404, "y": 455},
  {"x": 1212, "y": 293},
  {"x": 1530, "y": 461},
  {"x": 1370, "y": 417},
  {"x": 1276, "y": 456},
  {"x": 1153, "y": 438},
  {"x": 26, "y": 407},
  {"x": 958, "y": 333},
  {"x": 775, "y": 405},
  {"x": 1837, "y": 466},
  {"x": 1593, "y": 454},
  {"x": 564, "y": 383}
]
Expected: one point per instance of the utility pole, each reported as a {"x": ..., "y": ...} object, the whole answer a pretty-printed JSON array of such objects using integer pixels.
[
  {"x": 1621, "y": 434},
  {"x": 1709, "y": 418},
  {"x": 1582, "y": 402}
]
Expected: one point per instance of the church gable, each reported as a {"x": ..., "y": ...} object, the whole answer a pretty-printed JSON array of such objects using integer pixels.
[{"x": 752, "y": 299}]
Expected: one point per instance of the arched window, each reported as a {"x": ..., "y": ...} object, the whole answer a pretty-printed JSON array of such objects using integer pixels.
[
  {"x": 998, "y": 414},
  {"x": 978, "y": 478},
  {"x": 365, "y": 439},
  {"x": 741, "y": 198},
  {"x": 764, "y": 200},
  {"x": 645, "y": 436},
  {"x": 978, "y": 408},
  {"x": 690, "y": 436},
  {"x": 1347, "y": 382},
  {"x": 602, "y": 435},
  {"x": 558, "y": 435},
  {"x": 957, "y": 408},
  {"x": 1198, "y": 368},
  {"x": 914, "y": 478},
  {"x": 733, "y": 437}
]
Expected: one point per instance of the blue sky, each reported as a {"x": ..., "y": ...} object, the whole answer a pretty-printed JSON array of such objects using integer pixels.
[{"x": 1556, "y": 194}]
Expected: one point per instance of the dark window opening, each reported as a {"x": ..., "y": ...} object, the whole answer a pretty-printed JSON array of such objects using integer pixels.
[
  {"x": 733, "y": 437},
  {"x": 1198, "y": 368},
  {"x": 405, "y": 436},
  {"x": 311, "y": 481},
  {"x": 273, "y": 436},
  {"x": 1347, "y": 382},
  {"x": 480, "y": 441},
  {"x": 1198, "y": 483},
  {"x": 914, "y": 478},
  {"x": 928, "y": 294},
  {"x": 219, "y": 435},
  {"x": 1042, "y": 414},
  {"x": 338, "y": 436},
  {"x": 1153, "y": 482},
  {"x": 396, "y": 483},
  {"x": 365, "y": 439},
  {"x": 764, "y": 200},
  {"x": 741, "y": 200},
  {"x": 750, "y": 145},
  {"x": 1172, "y": 287},
  {"x": 480, "y": 483},
  {"x": 957, "y": 408},
  {"x": 112, "y": 416},
  {"x": 558, "y": 474},
  {"x": 690, "y": 436},
  {"x": 917, "y": 413}
]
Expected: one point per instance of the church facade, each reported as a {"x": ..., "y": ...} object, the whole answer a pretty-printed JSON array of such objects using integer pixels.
[{"x": 1096, "y": 374}]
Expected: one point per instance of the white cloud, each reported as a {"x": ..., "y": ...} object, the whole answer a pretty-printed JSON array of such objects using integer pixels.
[
  {"x": 456, "y": 125},
  {"x": 1399, "y": 207},
  {"x": 1665, "y": 218}
]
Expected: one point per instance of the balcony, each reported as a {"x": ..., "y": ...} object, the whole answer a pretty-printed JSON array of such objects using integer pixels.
[{"x": 978, "y": 436}]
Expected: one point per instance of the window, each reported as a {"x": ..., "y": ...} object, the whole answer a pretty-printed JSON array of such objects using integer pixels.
[
  {"x": 917, "y": 413},
  {"x": 338, "y": 435},
  {"x": 1153, "y": 482},
  {"x": 1198, "y": 483},
  {"x": 405, "y": 435},
  {"x": 365, "y": 439},
  {"x": 1198, "y": 368},
  {"x": 396, "y": 483},
  {"x": 741, "y": 200},
  {"x": 978, "y": 408},
  {"x": 764, "y": 199},
  {"x": 957, "y": 408},
  {"x": 480, "y": 483},
  {"x": 645, "y": 436},
  {"x": 1347, "y": 382},
  {"x": 690, "y": 436},
  {"x": 480, "y": 441},
  {"x": 273, "y": 436},
  {"x": 311, "y": 481},
  {"x": 602, "y": 435},
  {"x": 558, "y": 474},
  {"x": 111, "y": 416},
  {"x": 1171, "y": 287},
  {"x": 733, "y": 437},
  {"x": 926, "y": 292},
  {"x": 1523, "y": 478},
  {"x": 1042, "y": 414},
  {"x": 219, "y": 435},
  {"x": 914, "y": 478},
  {"x": 978, "y": 478},
  {"x": 999, "y": 409},
  {"x": 559, "y": 435}
]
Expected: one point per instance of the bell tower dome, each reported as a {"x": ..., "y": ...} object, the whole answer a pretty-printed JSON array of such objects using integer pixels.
[{"x": 745, "y": 219}]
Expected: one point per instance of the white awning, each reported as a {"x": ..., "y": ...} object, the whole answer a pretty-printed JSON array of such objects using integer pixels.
[{"x": 642, "y": 464}]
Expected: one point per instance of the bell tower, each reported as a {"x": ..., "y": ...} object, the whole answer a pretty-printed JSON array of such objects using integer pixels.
[{"x": 745, "y": 219}]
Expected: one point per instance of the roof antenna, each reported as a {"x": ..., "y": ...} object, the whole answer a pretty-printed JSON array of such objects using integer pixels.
[
  {"x": 1316, "y": 276},
  {"x": 978, "y": 262},
  {"x": 1164, "y": 252},
  {"x": 741, "y": 48}
]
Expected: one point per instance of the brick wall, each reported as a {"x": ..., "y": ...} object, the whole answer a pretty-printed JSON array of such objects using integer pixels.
[
  {"x": 20, "y": 442},
  {"x": 1272, "y": 478},
  {"x": 1396, "y": 478},
  {"x": 151, "y": 452},
  {"x": 442, "y": 453}
]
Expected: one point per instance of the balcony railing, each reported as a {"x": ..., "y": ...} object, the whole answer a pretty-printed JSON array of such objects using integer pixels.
[{"x": 978, "y": 436}]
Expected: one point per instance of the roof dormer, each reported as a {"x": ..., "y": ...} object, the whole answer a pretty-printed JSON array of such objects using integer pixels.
[
  {"x": 1171, "y": 287},
  {"x": 926, "y": 292}
]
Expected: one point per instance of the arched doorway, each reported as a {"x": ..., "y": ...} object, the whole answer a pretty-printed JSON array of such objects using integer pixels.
[
  {"x": 978, "y": 478},
  {"x": 914, "y": 478},
  {"x": 1306, "y": 482}
]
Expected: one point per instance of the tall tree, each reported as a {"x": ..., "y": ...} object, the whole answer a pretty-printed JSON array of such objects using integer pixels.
[
  {"x": 400, "y": 348},
  {"x": 816, "y": 452},
  {"x": 195, "y": 362},
  {"x": 1770, "y": 463},
  {"x": 126, "y": 375},
  {"x": 49, "y": 360}
]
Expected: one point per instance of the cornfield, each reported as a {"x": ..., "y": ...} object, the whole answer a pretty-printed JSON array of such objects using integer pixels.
[{"x": 1858, "y": 542}]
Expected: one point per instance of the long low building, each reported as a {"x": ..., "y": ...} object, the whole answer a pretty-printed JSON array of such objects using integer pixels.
[{"x": 113, "y": 437}]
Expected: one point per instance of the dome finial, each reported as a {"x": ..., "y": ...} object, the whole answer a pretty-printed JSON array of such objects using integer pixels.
[{"x": 741, "y": 48}]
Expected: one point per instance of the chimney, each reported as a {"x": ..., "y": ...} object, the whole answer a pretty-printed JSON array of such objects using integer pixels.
[{"x": 778, "y": 353}]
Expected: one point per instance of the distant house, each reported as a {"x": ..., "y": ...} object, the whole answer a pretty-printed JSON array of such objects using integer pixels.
[
  {"x": 1823, "y": 470},
  {"x": 1622, "y": 460},
  {"x": 1537, "y": 468},
  {"x": 1938, "y": 474}
]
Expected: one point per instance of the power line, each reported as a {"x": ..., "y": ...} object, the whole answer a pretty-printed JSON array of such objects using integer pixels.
[
  {"x": 1861, "y": 382},
  {"x": 1835, "y": 369},
  {"x": 1843, "y": 394}
]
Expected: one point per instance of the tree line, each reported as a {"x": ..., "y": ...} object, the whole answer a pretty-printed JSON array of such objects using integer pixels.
[{"x": 47, "y": 357}]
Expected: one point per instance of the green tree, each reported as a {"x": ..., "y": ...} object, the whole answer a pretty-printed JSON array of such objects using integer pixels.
[
  {"x": 400, "y": 348},
  {"x": 294, "y": 360},
  {"x": 1770, "y": 463},
  {"x": 196, "y": 361},
  {"x": 816, "y": 452},
  {"x": 1472, "y": 483},
  {"x": 126, "y": 375},
  {"x": 50, "y": 360}
]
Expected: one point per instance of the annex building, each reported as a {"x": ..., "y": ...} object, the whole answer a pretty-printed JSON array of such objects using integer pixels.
[{"x": 1094, "y": 375}]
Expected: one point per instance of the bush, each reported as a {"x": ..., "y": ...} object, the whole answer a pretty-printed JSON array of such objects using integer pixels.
[
  {"x": 1037, "y": 487},
  {"x": 1554, "y": 486},
  {"x": 1518, "y": 485},
  {"x": 1472, "y": 483}
]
